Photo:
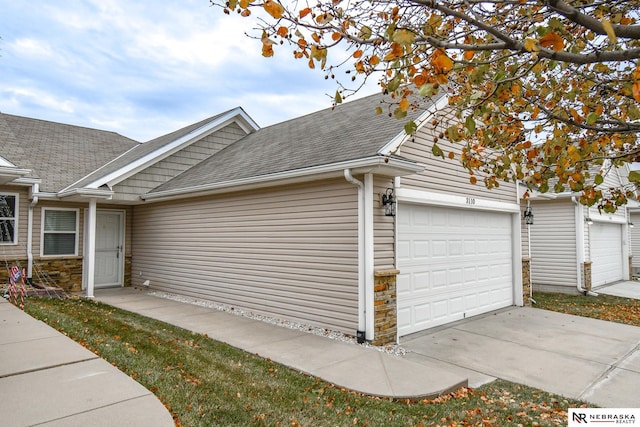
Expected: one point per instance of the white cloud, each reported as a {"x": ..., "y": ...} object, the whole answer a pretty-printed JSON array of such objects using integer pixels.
[{"x": 144, "y": 68}]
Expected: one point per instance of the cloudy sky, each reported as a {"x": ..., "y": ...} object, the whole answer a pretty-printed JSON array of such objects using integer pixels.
[{"x": 144, "y": 68}]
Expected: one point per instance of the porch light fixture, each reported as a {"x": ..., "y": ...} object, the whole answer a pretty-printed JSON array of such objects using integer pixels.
[
  {"x": 588, "y": 220},
  {"x": 528, "y": 216},
  {"x": 389, "y": 202},
  {"x": 630, "y": 224}
]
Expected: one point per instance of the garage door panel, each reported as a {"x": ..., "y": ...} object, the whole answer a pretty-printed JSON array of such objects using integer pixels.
[
  {"x": 606, "y": 253},
  {"x": 463, "y": 268}
]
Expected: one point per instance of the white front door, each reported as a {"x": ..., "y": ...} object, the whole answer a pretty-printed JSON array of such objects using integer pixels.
[
  {"x": 454, "y": 263},
  {"x": 109, "y": 260}
]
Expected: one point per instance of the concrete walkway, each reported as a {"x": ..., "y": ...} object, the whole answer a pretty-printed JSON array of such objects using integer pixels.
[
  {"x": 347, "y": 365},
  {"x": 627, "y": 289},
  {"x": 47, "y": 379},
  {"x": 577, "y": 357}
]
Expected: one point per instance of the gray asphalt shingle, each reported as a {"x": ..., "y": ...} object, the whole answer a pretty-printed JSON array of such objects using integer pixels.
[
  {"x": 350, "y": 131},
  {"x": 59, "y": 154}
]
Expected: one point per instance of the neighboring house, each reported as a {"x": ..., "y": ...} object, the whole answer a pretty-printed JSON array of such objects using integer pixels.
[
  {"x": 287, "y": 221},
  {"x": 574, "y": 248}
]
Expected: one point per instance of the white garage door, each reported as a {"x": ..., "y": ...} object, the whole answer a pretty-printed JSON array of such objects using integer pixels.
[
  {"x": 606, "y": 253},
  {"x": 454, "y": 263}
]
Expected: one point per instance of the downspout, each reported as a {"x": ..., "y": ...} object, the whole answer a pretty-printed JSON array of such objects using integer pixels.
[
  {"x": 361, "y": 257},
  {"x": 35, "y": 189},
  {"x": 579, "y": 220},
  {"x": 368, "y": 257}
]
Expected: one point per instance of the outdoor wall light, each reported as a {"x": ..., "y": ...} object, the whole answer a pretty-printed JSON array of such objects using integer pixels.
[
  {"x": 630, "y": 224},
  {"x": 528, "y": 216},
  {"x": 588, "y": 220},
  {"x": 389, "y": 202}
]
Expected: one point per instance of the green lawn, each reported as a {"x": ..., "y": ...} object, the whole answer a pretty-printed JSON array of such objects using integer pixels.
[
  {"x": 604, "y": 307},
  {"x": 207, "y": 383}
]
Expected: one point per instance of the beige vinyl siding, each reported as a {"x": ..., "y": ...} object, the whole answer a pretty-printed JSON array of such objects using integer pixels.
[
  {"x": 140, "y": 183},
  {"x": 635, "y": 240},
  {"x": 19, "y": 249},
  {"x": 445, "y": 175},
  {"x": 553, "y": 246},
  {"x": 288, "y": 252},
  {"x": 384, "y": 227},
  {"x": 524, "y": 228}
]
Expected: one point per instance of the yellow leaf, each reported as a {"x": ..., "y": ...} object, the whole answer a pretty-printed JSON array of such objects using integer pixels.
[
  {"x": 357, "y": 54},
  {"x": 273, "y": 8},
  {"x": 244, "y": 4},
  {"x": 404, "y": 104},
  {"x": 531, "y": 45},
  {"x": 283, "y": 32},
  {"x": 324, "y": 18},
  {"x": 608, "y": 28},
  {"x": 374, "y": 60},
  {"x": 404, "y": 37},
  {"x": 468, "y": 55},
  {"x": 335, "y": 36},
  {"x": 552, "y": 40}
]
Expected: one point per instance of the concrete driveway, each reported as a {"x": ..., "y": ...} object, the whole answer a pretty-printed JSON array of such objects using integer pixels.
[
  {"x": 573, "y": 356},
  {"x": 627, "y": 289}
]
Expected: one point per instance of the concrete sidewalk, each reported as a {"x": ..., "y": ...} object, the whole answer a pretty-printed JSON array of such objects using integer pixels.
[
  {"x": 346, "y": 365},
  {"x": 47, "y": 379}
]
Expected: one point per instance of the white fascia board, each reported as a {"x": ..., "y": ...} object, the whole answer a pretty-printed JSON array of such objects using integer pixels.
[
  {"x": 6, "y": 163},
  {"x": 9, "y": 174},
  {"x": 409, "y": 195},
  {"x": 246, "y": 123},
  {"x": 86, "y": 193},
  {"x": 376, "y": 164},
  {"x": 392, "y": 146}
]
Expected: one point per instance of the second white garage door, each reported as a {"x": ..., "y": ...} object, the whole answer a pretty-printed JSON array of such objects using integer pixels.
[
  {"x": 606, "y": 253},
  {"x": 454, "y": 263}
]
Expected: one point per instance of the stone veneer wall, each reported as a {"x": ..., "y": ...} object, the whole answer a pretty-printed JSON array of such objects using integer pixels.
[
  {"x": 65, "y": 273},
  {"x": 385, "y": 307},
  {"x": 586, "y": 273},
  {"x": 526, "y": 281}
]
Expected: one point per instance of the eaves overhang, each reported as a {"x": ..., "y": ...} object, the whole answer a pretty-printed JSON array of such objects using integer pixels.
[
  {"x": 82, "y": 194},
  {"x": 10, "y": 174},
  {"x": 379, "y": 165}
]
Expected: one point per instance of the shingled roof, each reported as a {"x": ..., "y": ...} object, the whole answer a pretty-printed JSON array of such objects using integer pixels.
[
  {"x": 57, "y": 153},
  {"x": 350, "y": 131}
]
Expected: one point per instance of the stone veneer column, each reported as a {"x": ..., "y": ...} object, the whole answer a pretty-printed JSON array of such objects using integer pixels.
[
  {"x": 385, "y": 307},
  {"x": 526, "y": 281},
  {"x": 586, "y": 273}
]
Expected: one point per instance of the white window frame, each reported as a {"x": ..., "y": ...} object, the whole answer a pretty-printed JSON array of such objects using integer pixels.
[
  {"x": 16, "y": 216},
  {"x": 42, "y": 231}
]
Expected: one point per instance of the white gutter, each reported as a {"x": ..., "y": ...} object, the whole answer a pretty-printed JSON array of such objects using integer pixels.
[
  {"x": 34, "y": 201},
  {"x": 369, "y": 256},
  {"x": 579, "y": 220},
  {"x": 361, "y": 256}
]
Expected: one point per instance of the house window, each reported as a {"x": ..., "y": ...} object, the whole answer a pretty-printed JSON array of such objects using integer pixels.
[
  {"x": 60, "y": 231},
  {"x": 8, "y": 218}
]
